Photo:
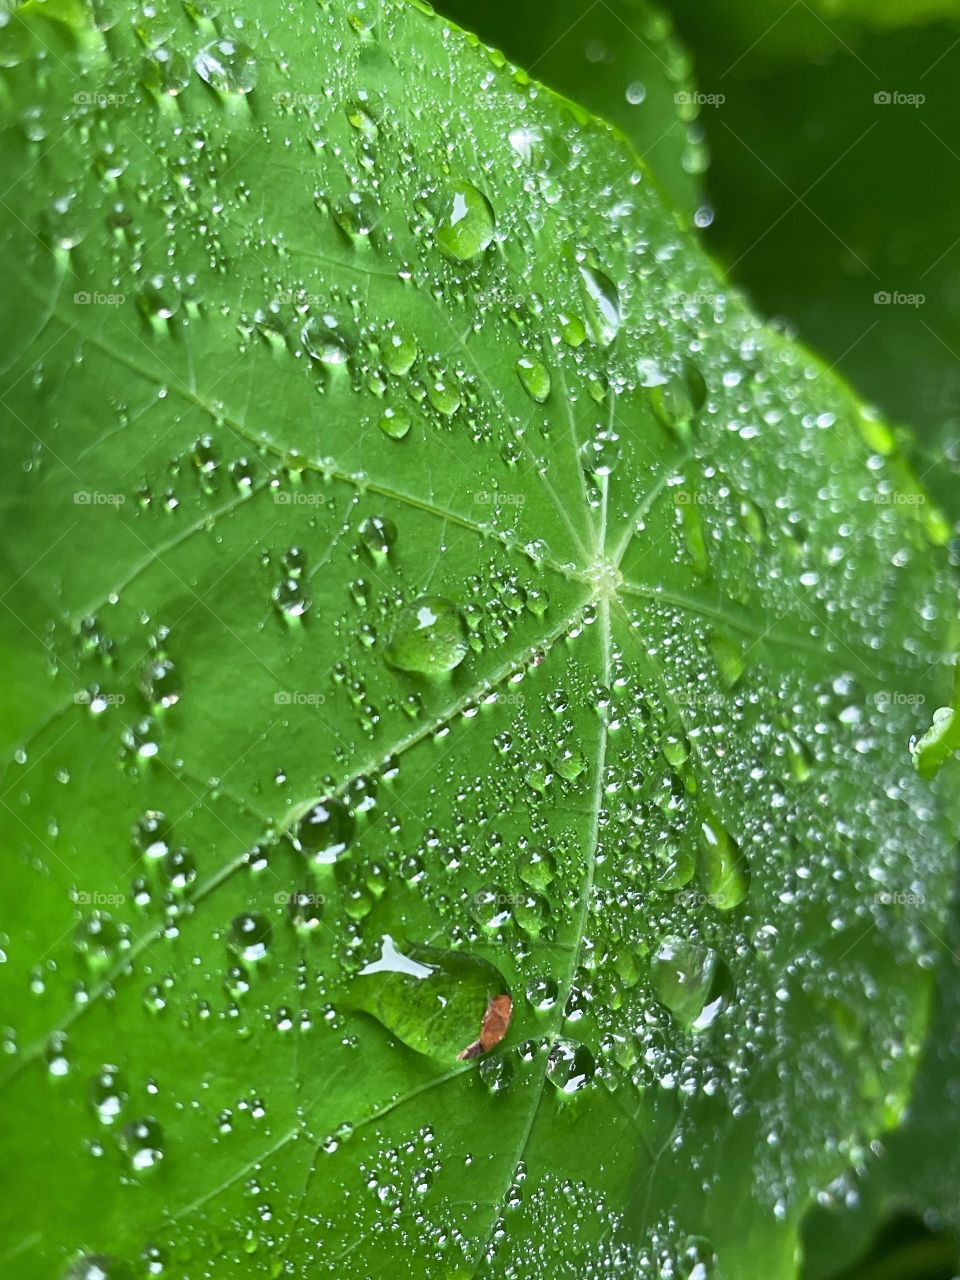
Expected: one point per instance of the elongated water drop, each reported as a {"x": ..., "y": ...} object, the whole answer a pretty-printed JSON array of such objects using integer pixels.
[
  {"x": 723, "y": 868},
  {"x": 466, "y": 226},
  {"x": 602, "y": 306},
  {"x": 534, "y": 377}
]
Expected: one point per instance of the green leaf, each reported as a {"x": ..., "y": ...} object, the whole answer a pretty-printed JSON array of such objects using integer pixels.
[
  {"x": 280, "y": 288},
  {"x": 621, "y": 60}
]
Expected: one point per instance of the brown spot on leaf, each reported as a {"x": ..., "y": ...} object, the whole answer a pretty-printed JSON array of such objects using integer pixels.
[{"x": 496, "y": 1022}]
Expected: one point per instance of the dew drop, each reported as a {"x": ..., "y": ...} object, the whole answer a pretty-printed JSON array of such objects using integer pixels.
[
  {"x": 395, "y": 423},
  {"x": 378, "y": 535},
  {"x": 466, "y": 226},
  {"x": 429, "y": 637},
  {"x": 228, "y": 66},
  {"x": 250, "y": 936},
  {"x": 571, "y": 1066},
  {"x": 602, "y": 305},
  {"x": 327, "y": 831},
  {"x": 534, "y": 377}
]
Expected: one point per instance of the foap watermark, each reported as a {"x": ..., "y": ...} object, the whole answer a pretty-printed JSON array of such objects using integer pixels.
[
  {"x": 895, "y": 298},
  {"x": 496, "y": 499},
  {"x": 286, "y": 98},
  {"x": 495, "y": 296},
  {"x": 298, "y": 698},
  {"x": 94, "y": 498},
  {"x": 485, "y": 898},
  {"x": 896, "y": 698},
  {"x": 94, "y": 898},
  {"x": 693, "y": 898},
  {"x": 299, "y": 899},
  {"x": 92, "y": 98},
  {"x": 87, "y": 298},
  {"x": 899, "y": 898},
  {"x": 98, "y": 701},
  {"x": 895, "y": 98},
  {"x": 895, "y": 498},
  {"x": 286, "y": 498},
  {"x": 695, "y": 98},
  {"x": 694, "y": 498},
  {"x": 699, "y": 298}
]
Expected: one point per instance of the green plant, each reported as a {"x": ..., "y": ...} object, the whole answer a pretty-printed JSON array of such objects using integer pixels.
[{"x": 428, "y": 582}]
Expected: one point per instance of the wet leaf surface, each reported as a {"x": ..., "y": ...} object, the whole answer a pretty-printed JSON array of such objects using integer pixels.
[{"x": 324, "y": 626}]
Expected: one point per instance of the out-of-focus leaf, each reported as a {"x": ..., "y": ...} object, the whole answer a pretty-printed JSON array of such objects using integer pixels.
[
  {"x": 619, "y": 58},
  {"x": 834, "y": 192}
]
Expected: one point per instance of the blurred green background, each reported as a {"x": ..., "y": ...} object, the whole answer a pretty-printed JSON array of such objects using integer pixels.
[{"x": 816, "y": 143}]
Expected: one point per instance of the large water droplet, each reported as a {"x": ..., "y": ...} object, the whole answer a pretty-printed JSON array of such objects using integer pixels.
[
  {"x": 723, "y": 868},
  {"x": 434, "y": 1001},
  {"x": 229, "y": 66},
  {"x": 429, "y": 637},
  {"x": 678, "y": 401},
  {"x": 379, "y": 535},
  {"x": 683, "y": 974},
  {"x": 535, "y": 378},
  {"x": 143, "y": 1143},
  {"x": 571, "y": 1066},
  {"x": 602, "y": 306},
  {"x": 250, "y": 936},
  {"x": 326, "y": 832},
  {"x": 465, "y": 228}
]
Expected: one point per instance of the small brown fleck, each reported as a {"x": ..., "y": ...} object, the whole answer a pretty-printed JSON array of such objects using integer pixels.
[{"x": 496, "y": 1022}]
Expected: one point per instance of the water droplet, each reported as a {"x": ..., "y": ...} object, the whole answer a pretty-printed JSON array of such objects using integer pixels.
[
  {"x": 305, "y": 910},
  {"x": 602, "y": 305},
  {"x": 291, "y": 600},
  {"x": 326, "y": 832},
  {"x": 429, "y": 637},
  {"x": 379, "y": 536},
  {"x": 535, "y": 378},
  {"x": 542, "y": 994},
  {"x": 677, "y": 401},
  {"x": 323, "y": 342},
  {"x": 443, "y": 396},
  {"x": 108, "y": 1094},
  {"x": 250, "y": 936},
  {"x": 395, "y": 423},
  {"x": 143, "y": 1142},
  {"x": 356, "y": 214},
  {"x": 159, "y": 298},
  {"x": 97, "y": 939},
  {"x": 683, "y": 974},
  {"x": 432, "y": 1000},
  {"x": 399, "y": 351},
  {"x": 723, "y": 868},
  {"x": 601, "y": 454},
  {"x": 571, "y": 1066},
  {"x": 466, "y": 226},
  {"x": 228, "y": 66},
  {"x": 166, "y": 71}
]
